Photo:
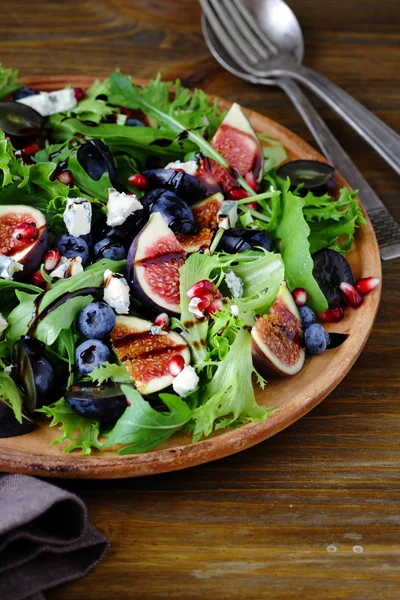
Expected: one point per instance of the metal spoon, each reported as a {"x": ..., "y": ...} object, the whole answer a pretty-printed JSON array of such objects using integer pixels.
[
  {"x": 282, "y": 56},
  {"x": 386, "y": 228},
  {"x": 20, "y": 120}
]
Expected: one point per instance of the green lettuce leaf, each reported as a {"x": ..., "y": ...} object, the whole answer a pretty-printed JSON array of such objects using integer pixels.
[
  {"x": 110, "y": 372},
  {"x": 142, "y": 428},
  {"x": 11, "y": 395},
  {"x": 8, "y": 84},
  {"x": 61, "y": 318},
  {"x": 82, "y": 434}
]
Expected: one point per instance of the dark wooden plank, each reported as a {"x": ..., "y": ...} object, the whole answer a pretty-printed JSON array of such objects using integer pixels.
[{"x": 261, "y": 523}]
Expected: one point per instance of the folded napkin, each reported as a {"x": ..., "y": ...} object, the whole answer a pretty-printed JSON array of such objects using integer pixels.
[{"x": 45, "y": 538}]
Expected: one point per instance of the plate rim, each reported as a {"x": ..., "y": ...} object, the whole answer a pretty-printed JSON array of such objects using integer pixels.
[{"x": 215, "y": 447}]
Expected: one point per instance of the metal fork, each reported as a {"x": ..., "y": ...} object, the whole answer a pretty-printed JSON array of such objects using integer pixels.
[
  {"x": 252, "y": 37},
  {"x": 283, "y": 60}
]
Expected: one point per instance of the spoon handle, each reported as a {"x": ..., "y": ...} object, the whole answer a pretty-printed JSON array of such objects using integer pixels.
[
  {"x": 379, "y": 135},
  {"x": 387, "y": 230}
]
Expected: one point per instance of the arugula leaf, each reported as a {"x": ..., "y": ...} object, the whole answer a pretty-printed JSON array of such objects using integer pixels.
[
  {"x": 20, "y": 318},
  {"x": 228, "y": 399},
  {"x": 292, "y": 233},
  {"x": 82, "y": 433},
  {"x": 273, "y": 151},
  {"x": 108, "y": 371},
  {"x": 8, "y": 84},
  {"x": 66, "y": 347},
  {"x": 61, "y": 318},
  {"x": 11, "y": 395},
  {"x": 142, "y": 427}
]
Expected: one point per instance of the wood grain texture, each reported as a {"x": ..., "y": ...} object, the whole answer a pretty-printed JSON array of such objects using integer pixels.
[{"x": 257, "y": 524}]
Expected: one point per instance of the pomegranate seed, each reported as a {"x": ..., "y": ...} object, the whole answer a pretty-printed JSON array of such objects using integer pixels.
[
  {"x": 300, "y": 296},
  {"x": 202, "y": 288},
  {"x": 30, "y": 150},
  {"x": 79, "y": 94},
  {"x": 139, "y": 181},
  {"x": 176, "y": 364},
  {"x": 251, "y": 180},
  {"x": 162, "y": 320},
  {"x": 352, "y": 296},
  {"x": 7, "y": 138},
  {"x": 38, "y": 279},
  {"x": 252, "y": 205},
  {"x": 65, "y": 177},
  {"x": 215, "y": 306},
  {"x": 125, "y": 111},
  {"x": 51, "y": 259},
  {"x": 366, "y": 285},
  {"x": 237, "y": 194},
  {"x": 25, "y": 233},
  {"x": 334, "y": 314}
]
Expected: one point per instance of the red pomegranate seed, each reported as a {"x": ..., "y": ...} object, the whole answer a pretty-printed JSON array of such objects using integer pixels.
[
  {"x": 79, "y": 94},
  {"x": 176, "y": 364},
  {"x": 334, "y": 314},
  {"x": 252, "y": 205},
  {"x": 25, "y": 233},
  {"x": 300, "y": 296},
  {"x": 51, "y": 259},
  {"x": 30, "y": 150},
  {"x": 215, "y": 306},
  {"x": 139, "y": 181},
  {"x": 251, "y": 180},
  {"x": 237, "y": 194},
  {"x": 162, "y": 320},
  {"x": 125, "y": 111},
  {"x": 366, "y": 285},
  {"x": 204, "y": 287},
  {"x": 65, "y": 177},
  {"x": 38, "y": 279},
  {"x": 352, "y": 296}
]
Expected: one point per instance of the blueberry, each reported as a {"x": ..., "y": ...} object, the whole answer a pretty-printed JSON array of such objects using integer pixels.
[
  {"x": 24, "y": 93},
  {"x": 109, "y": 248},
  {"x": 327, "y": 337},
  {"x": 130, "y": 122},
  {"x": 97, "y": 320},
  {"x": 71, "y": 246},
  {"x": 307, "y": 316},
  {"x": 314, "y": 339},
  {"x": 91, "y": 354}
]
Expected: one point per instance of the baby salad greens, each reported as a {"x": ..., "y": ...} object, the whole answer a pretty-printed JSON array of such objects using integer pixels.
[{"x": 145, "y": 241}]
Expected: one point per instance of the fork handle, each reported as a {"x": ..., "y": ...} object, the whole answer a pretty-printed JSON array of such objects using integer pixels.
[
  {"x": 379, "y": 135},
  {"x": 381, "y": 219}
]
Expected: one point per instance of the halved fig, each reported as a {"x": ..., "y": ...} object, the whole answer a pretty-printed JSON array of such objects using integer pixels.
[
  {"x": 153, "y": 265},
  {"x": 23, "y": 236},
  {"x": 330, "y": 270},
  {"x": 200, "y": 241},
  {"x": 236, "y": 140},
  {"x": 9, "y": 426},
  {"x": 34, "y": 373},
  {"x": 146, "y": 355},
  {"x": 278, "y": 338},
  {"x": 317, "y": 177},
  {"x": 205, "y": 212},
  {"x": 105, "y": 403}
]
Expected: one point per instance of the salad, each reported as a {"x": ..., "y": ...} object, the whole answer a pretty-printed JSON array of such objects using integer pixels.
[{"x": 158, "y": 260}]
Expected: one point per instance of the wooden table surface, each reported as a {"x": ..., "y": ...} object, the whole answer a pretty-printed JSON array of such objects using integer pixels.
[{"x": 314, "y": 511}]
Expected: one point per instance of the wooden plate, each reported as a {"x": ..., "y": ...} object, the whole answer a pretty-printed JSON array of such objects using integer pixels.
[{"x": 293, "y": 397}]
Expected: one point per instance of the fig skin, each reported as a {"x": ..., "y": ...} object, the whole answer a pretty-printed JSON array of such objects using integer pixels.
[
  {"x": 153, "y": 230},
  {"x": 30, "y": 256},
  {"x": 284, "y": 312}
]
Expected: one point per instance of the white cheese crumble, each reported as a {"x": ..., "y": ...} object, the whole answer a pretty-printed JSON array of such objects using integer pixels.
[
  {"x": 227, "y": 215},
  {"x": 61, "y": 269},
  {"x": 194, "y": 307},
  {"x": 9, "y": 266},
  {"x": 78, "y": 216},
  {"x": 234, "y": 310},
  {"x": 75, "y": 266},
  {"x": 3, "y": 324},
  {"x": 121, "y": 119},
  {"x": 120, "y": 206},
  {"x": 51, "y": 103},
  {"x": 157, "y": 330},
  {"x": 186, "y": 381},
  {"x": 116, "y": 292},
  {"x": 234, "y": 284},
  {"x": 190, "y": 167}
]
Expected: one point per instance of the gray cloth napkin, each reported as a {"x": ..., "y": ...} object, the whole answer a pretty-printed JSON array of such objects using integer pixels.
[{"x": 45, "y": 538}]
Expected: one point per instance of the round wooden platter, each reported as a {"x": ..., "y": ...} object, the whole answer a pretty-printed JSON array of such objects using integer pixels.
[{"x": 293, "y": 397}]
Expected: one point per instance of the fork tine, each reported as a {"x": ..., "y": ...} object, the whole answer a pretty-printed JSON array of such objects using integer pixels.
[
  {"x": 223, "y": 36},
  {"x": 254, "y": 26},
  {"x": 226, "y": 21},
  {"x": 245, "y": 30}
]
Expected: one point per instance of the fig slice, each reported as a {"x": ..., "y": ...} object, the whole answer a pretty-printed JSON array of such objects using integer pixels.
[
  {"x": 23, "y": 236},
  {"x": 278, "y": 338},
  {"x": 146, "y": 355},
  {"x": 196, "y": 242},
  {"x": 153, "y": 262},
  {"x": 205, "y": 212}
]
